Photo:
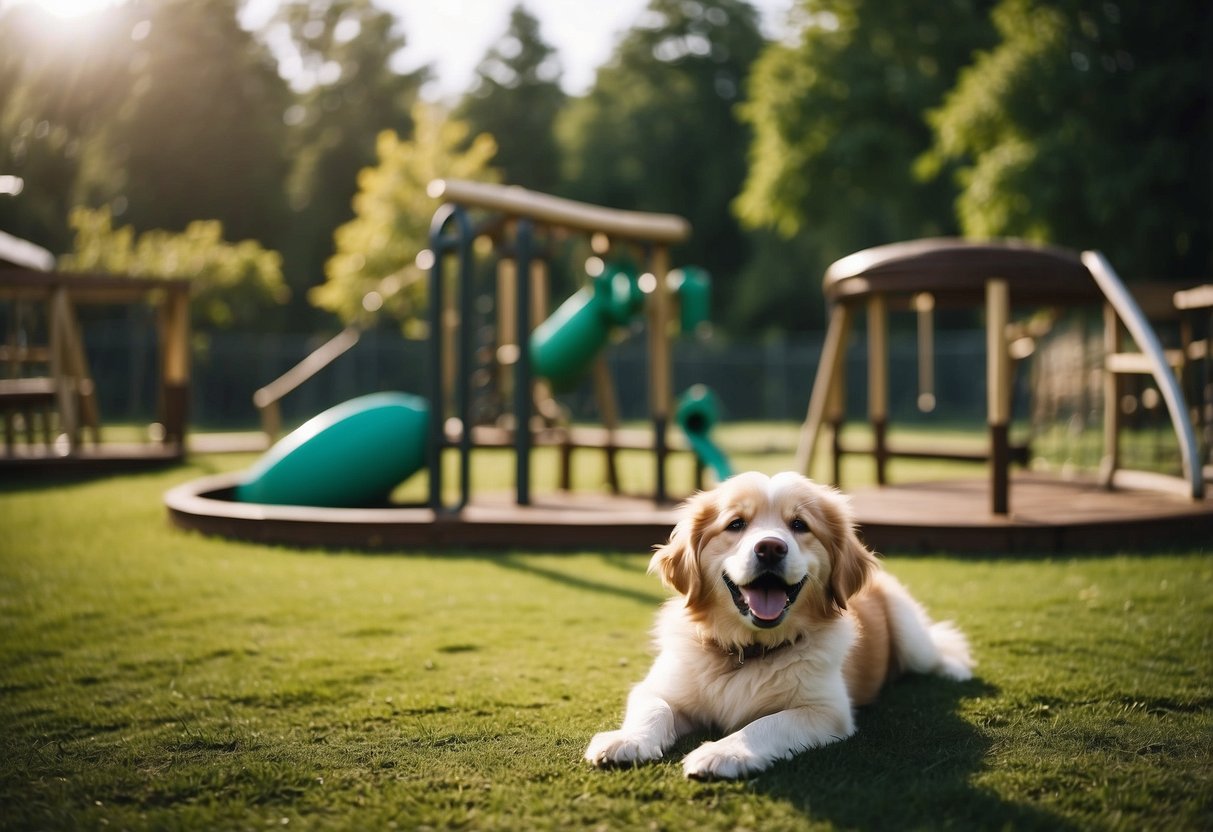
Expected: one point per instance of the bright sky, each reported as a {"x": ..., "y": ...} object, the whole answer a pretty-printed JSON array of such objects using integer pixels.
[{"x": 453, "y": 35}]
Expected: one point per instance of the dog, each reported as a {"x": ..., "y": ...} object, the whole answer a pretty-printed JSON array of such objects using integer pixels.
[{"x": 783, "y": 624}]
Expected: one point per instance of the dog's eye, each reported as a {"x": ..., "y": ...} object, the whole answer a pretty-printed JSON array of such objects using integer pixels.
[
  {"x": 798, "y": 525},
  {"x": 737, "y": 525}
]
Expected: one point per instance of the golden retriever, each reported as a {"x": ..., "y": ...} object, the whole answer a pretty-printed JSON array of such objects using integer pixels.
[{"x": 784, "y": 624}]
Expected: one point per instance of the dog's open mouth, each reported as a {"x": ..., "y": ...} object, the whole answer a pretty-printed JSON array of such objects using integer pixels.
[{"x": 765, "y": 600}]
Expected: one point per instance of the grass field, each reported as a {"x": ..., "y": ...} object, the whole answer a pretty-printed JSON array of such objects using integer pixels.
[{"x": 152, "y": 679}]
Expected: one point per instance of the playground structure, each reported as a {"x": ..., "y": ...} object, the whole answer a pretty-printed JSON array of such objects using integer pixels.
[
  {"x": 47, "y": 394},
  {"x": 633, "y": 282},
  {"x": 1119, "y": 507},
  {"x": 1048, "y": 513}
]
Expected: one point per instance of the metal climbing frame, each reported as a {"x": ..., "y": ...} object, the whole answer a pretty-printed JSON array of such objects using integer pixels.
[{"x": 452, "y": 233}]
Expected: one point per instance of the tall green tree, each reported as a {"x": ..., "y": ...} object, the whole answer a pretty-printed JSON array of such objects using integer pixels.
[
  {"x": 516, "y": 98},
  {"x": 374, "y": 271},
  {"x": 658, "y": 131},
  {"x": 166, "y": 110},
  {"x": 839, "y": 118},
  {"x": 58, "y": 90},
  {"x": 348, "y": 92},
  {"x": 1091, "y": 125},
  {"x": 202, "y": 136}
]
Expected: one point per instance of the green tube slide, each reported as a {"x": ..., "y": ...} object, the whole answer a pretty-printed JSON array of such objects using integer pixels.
[
  {"x": 697, "y": 412},
  {"x": 352, "y": 455},
  {"x": 693, "y": 288},
  {"x": 563, "y": 347}
]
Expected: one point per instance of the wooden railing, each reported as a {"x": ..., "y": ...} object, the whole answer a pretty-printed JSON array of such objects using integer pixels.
[{"x": 266, "y": 399}]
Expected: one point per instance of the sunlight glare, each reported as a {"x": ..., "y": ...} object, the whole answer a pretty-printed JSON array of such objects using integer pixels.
[{"x": 71, "y": 8}]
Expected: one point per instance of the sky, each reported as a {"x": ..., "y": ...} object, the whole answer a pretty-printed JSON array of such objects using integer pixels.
[{"x": 453, "y": 35}]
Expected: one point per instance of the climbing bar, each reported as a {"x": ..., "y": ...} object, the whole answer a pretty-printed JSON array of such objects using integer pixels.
[{"x": 553, "y": 210}]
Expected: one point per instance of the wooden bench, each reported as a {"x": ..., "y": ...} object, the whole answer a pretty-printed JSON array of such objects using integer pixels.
[{"x": 33, "y": 400}]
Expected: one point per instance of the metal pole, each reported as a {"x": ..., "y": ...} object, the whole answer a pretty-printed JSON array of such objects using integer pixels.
[{"x": 522, "y": 367}]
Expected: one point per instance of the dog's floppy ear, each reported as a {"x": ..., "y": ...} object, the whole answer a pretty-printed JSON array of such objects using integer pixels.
[
  {"x": 852, "y": 563},
  {"x": 677, "y": 561}
]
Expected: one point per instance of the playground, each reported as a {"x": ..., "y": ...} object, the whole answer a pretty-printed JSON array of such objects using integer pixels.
[
  {"x": 196, "y": 677},
  {"x": 330, "y": 481},
  {"x": 502, "y": 356}
]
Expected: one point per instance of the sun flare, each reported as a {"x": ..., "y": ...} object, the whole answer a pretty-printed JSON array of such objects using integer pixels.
[{"x": 71, "y": 8}]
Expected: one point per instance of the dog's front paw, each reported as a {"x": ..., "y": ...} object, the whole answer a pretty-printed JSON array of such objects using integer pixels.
[
  {"x": 726, "y": 759},
  {"x": 622, "y": 748}
]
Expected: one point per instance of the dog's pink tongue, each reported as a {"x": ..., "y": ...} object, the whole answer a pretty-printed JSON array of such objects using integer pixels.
[{"x": 765, "y": 602}]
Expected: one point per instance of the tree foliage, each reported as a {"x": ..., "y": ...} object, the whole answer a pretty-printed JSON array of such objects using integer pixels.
[
  {"x": 232, "y": 284},
  {"x": 1090, "y": 125},
  {"x": 349, "y": 93},
  {"x": 375, "y": 265},
  {"x": 839, "y": 119},
  {"x": 166, "y": 111},
  {"x": 203, "y": 136},
  {"x": 516, "y": 98},
  {"x": 658, "y": 131}
]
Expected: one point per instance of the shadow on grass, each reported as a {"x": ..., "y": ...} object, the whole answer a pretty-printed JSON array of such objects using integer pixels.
[
  {"x": 912, "y": 765},
  {"x": 528, "y": 566}
]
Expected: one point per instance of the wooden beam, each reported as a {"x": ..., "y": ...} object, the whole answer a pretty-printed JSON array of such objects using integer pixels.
[
  {"x": 828, "y": 368},
  {"x": 566, "y": 213},
  {"x": 998, "y": 391}
]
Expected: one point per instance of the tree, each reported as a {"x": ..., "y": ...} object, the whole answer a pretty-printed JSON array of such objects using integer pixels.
[
  {"x": 232, "y": 284},
  {"x": 658, "y": 131},
  {"x": 56, "y": 93},
  {"x": 839, "y": 120},
  {"x": 348, "y": 94},
  {"x": 1090, "y": 126},
  {"x": 202, "y": 134},
  {"x": 516, "y": 99},
  {"x": 375, "y": 265},
  {"x": 166, "y": 110}
]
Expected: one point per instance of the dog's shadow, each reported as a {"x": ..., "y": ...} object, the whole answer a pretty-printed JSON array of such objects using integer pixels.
[{"x": 914, "y": 763}]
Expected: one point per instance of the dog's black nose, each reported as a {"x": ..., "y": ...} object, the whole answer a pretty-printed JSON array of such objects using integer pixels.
[{"x": 770, "y": 550}]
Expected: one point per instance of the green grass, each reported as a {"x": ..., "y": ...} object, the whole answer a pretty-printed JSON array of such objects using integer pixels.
[{"x": 153, "y": 679}]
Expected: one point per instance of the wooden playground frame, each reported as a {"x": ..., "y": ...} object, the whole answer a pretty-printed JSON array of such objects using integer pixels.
[
  {"x": 1048, "y": 514},
  {"x": 63, "y": 399}
]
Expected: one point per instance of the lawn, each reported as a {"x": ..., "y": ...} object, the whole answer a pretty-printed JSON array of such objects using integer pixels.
[{"x": 153, "y": 679}]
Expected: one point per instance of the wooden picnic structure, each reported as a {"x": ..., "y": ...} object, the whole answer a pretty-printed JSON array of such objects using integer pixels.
[{"x": 48, "y": 397}]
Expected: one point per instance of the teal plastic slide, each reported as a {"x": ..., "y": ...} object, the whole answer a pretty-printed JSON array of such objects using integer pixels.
[
  {"x": 697, "y": 412},
  {"x": 563, "y": 347},
  {"x": 349, "y": 456}
]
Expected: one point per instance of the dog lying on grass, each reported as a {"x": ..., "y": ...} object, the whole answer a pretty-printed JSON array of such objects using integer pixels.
[{"x": 784, "y": 624}]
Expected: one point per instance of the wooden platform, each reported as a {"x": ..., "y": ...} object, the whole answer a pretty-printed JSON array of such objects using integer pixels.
[
  {"x": 1048, "y": 516},
  {"x": 34, "y": 462},
  {"x": 561, "y": 522}
]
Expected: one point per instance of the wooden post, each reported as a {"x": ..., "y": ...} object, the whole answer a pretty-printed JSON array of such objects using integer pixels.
[
  {"x": 659, "y": 364},
  {"x": 608, "y": 409},
  {"x": 924, "y": 305},
  {"x": 998, "y": 391},
  {"x": 828, "y": 369},
  {"x": 175, "y": 365},
  {"x": 878, "y": 379},
  {"x": 61, "y": 367},
  {"x": 507, "y": 319},
  {"x": 1112, "y": 342}
]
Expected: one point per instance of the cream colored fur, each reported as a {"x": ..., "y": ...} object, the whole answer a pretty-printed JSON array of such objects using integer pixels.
[{"x": 774, "y": 683}]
